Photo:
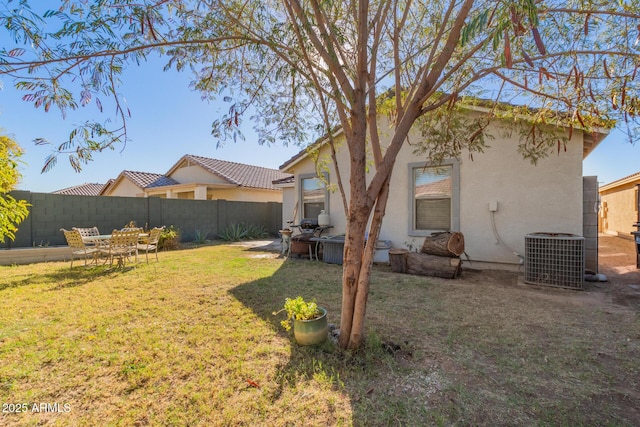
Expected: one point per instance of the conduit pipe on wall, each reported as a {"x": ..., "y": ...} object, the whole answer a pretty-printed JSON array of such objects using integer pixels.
[{"x": 502, "y": 242}]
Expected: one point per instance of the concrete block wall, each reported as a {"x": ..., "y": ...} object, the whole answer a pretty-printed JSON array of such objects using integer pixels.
[
  {"x": 50, "y": 212},
  {"x": 590, "y": 222}
]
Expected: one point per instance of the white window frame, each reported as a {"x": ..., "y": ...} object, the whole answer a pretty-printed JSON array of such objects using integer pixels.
[{"x": 455, "y": 196}]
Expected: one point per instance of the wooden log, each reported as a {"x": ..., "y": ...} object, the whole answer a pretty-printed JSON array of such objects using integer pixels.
[
  {"x": 398, "y": 260},
  {"x": 432, "y": 265},
  {"x": 447, "y": 243}
]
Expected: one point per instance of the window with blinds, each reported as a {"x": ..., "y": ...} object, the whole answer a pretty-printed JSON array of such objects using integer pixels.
[
  {"x": 432, "y": 194},
  {"x": 313, "y": 196}
]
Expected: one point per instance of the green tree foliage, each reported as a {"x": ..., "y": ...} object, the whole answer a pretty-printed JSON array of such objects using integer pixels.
[
  {"x": 307, "y": 67},
  {"x": 12, "y": 211}
]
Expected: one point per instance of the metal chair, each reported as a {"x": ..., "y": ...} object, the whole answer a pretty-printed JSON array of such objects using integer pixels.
[
  {"x": 88, "y": 232},
  {"x": 122, "y": 245},
  {"x": 78, "y": 247},
  {"x": 150, "y": 244}
]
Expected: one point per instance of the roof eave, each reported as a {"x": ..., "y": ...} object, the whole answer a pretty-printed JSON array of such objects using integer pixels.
[
  {"x": 631, "y": 179},
  {"x": 297, "y": 158},
  {"x": 592, "y": 139},
  {"x": 284, "y": 185}
]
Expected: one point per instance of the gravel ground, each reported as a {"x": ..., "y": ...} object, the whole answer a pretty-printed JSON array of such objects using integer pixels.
[{"x": 617, "y": 260}]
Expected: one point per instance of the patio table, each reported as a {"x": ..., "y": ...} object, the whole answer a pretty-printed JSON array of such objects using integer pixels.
[
  {"x": 96, "y": 239},
  {"x": 103, "y": 242},
  {"x": 102, "y": 238}
]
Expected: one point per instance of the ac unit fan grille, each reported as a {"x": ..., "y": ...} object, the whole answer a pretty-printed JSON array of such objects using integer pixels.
[{"x": 554, "y": 260}]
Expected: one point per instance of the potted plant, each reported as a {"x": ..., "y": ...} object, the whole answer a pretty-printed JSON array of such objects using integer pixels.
[{"x": 309, "y": 321}]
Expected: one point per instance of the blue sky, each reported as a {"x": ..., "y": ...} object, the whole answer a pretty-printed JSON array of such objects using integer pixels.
[{"x": 169, "y": 120}]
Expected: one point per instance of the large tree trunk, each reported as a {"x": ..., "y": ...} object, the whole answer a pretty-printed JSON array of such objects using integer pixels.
[
  {"x": 352, "y": 268},
  {"x": 358, "y": 258},
  {"x": 362, "y": 294},
  {"x": 357, "y": 218}
]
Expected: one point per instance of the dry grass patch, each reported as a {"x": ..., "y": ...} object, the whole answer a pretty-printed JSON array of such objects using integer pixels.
[{"x": 191, "y": 341}]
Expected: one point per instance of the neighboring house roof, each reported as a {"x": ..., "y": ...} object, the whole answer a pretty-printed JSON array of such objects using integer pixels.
[
  {"x": 149, "y": 180},
  {"x": 631, "y": 179},
  {"x": 141, "y": 179},
  {"x": 235, "y": 174},
  {"x": 441, "y": 187},
  {"x": 86, "y": 189},
  {"x": 238, "y": 174}
]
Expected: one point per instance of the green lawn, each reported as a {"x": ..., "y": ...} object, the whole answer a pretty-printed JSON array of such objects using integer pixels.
[{"x": 191, "y": 340}]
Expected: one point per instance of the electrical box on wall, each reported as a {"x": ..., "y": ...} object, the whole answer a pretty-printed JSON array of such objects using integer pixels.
[{"x": 493, "y": 206}]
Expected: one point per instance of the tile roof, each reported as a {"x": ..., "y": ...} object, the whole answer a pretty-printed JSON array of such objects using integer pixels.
[
  {"x": 86, "y": 189},
  {"x": 438, "y": 188},
  {"x": 239, "y": 173},
  {"x": 149, "y": 180}
]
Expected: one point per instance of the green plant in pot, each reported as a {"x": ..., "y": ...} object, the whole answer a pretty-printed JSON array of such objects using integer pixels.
[{"x": 309, "y": 321}]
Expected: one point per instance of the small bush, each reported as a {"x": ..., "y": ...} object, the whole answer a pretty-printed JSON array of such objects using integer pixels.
[
  {"x": 256, "y": 232},
  {"x": 169, "y": 238},
  {"x": 298, "y": 309},
  {"x": 241, "y": 231}
]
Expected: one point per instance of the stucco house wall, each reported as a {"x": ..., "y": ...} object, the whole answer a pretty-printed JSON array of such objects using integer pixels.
[
  {"x": 619, "y": 206},
  {"x": 546, "y": 197},
  {"x": 289, "y": 201},
  {"x": 245, "y": 195},
  {"x": 196, "y": 174},
  {"x": 126, "y": 188}
]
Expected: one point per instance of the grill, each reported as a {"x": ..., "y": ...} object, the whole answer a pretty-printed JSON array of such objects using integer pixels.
[
  {"x": 309, "y": 224},
  {"x": 554, "y": 259}
]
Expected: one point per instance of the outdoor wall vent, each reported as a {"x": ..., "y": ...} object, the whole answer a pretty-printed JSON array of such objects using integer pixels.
[{"x": 554, "y": 259}]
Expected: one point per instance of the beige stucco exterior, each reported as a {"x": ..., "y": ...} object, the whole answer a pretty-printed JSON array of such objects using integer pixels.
[
  {"x": 546, "y": 197},
  {"x": 125, "y": 188},
  {"x": 289, "y": 204},
  {"x": 619, "y": 206},
  {"x": 202, "y": 191},
  {"x": 196, "y": 174}
]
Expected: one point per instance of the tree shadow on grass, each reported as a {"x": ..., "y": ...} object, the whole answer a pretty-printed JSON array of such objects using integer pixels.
[
  {"x": 360, "y": 375},
  {"x": 65, "y": 277}
]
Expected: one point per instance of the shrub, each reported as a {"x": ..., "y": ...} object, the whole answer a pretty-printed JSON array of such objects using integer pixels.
[
  {"x": 298, "y": 309},
  {"x": 241, "y": 231},
  {"x": 256, "y": 232},
  {"x": 200, "y": 237},
  {"x": 169, "y": 238}
]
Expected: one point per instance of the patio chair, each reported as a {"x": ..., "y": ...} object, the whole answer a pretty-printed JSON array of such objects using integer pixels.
[
  {"x": 78, "y": 247},
  {"x": 122, "y": 245},
  {"x": 88, "y": 232},
  {"x": 150, "y": 243}
]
